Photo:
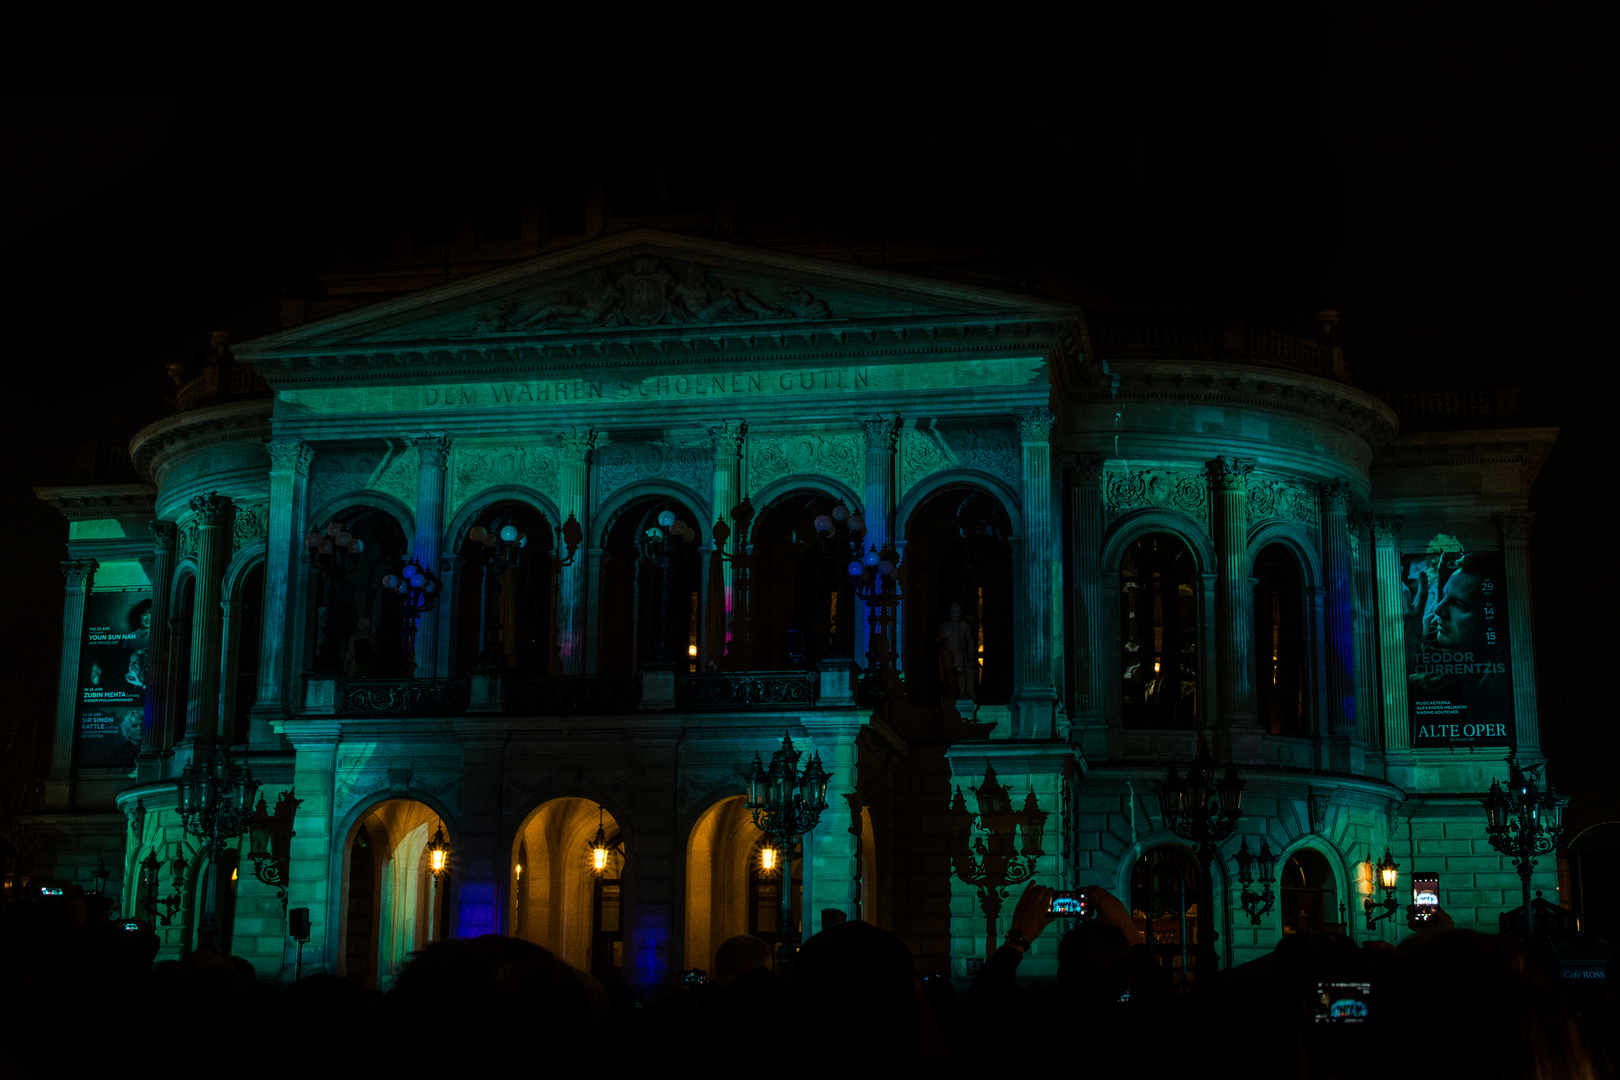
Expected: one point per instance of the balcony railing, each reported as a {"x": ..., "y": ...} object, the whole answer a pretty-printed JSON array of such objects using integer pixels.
[
  {"x": 1168, "y": 337},
  {"x": 401, "y": 697},
  {"x": 748, "y": 690},
  {"x": 218, "y": 383},
  {"x": 576, "y": 695}
]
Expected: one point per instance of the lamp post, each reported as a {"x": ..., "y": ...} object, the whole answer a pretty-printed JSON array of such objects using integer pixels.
[
  {"x": 216, "y": 804},
  {"x": 876, "y": 580},
  {"x": 150, "y": 902},
  {"x": 786, "y": 804},
  {"x": 656, "y": 543},
  {"x": 1522, "y": 822},
  {"x": 983, "y": 850},
  {"x": 1389, "y": 875},
  {"x": 1203, "y": 811},
  {"x": 334, "y": 552},
  {"x": 438, "y": 855},
  {"x": 270, "y": 842},
  {"x": 1257, "y": 903},
  {"x": 418, "y": 591},
  {"x": 599, "y": 846}
]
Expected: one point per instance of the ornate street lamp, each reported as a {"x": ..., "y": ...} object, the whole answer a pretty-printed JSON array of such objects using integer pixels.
[
  {"x": 996, "y": 848},
  {"x": 270, "y": 842},
  {"x": 503, "y": 551},
  {"x": 1389, "y": 875},
  {"x": 656, "y": 544},
  {"x": 334, "y": 552},
  {"x": 786, "y": 804},
  {"x": 876, "y": 579},
  {"x": 1201, "y": 810},
  {"x": 599, "y": 846},
  {"x": 438, "y": 850},
  {"x": 418, "y": 591},
  {"x": 1257, "y": 903},
  {"x": 216, "y": 805},
  {"x": 1522, "y": 822}
]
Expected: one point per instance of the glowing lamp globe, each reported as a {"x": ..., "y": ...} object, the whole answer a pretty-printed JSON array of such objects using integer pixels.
[{"x": 509, "y": 533}]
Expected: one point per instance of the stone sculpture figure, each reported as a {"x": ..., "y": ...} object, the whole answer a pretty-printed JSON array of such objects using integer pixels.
[
  {"x": 594, "y": 304},
  {"x": 958, "y": 661}
]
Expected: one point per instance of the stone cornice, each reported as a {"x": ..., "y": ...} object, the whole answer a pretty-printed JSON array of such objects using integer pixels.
[
  {"x": 94, "y": 502},
  {"x": 155, "y": 443}
]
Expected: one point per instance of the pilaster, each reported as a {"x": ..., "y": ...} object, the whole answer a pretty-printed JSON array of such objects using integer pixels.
[
  {"x": 572, "y": 491},
  {"x": 80, "y": 576},
  {"x": 1515, "y": 530},
  {"x": 1392, "y": 652},
  {"x": 1339, "y": 720},
  {"x": 830, "y": 849},
  {"x": 1234, "y": 604},
  {"x": 882, "y": 437},
  {"x": 310, "y": 870},
  {"x": 154, "y": 732},
  {"x": 289, "y": 495},
  {"x": 1042, "y": 639},
  {"x": 1365, "y": 628},
  {"x": 1087, "y": 647},
  {"x": 726, "y": 439},
  {"x": 480, "y": 868},
  {"x": 433, "y": 455},
  {"x": 213, "y": 513}
]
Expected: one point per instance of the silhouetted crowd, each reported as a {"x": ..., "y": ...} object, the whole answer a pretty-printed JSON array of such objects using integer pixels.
[{"x": 82, "y": 995}]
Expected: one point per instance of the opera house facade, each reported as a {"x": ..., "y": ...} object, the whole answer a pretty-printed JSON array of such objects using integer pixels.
[{"x": 490, "y": 578}]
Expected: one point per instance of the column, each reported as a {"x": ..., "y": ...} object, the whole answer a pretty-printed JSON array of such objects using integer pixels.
[
  {"x": 1368, "y": 725},
  {"x": 882, "y": 436},
  {"x": 213, "y": 552},
  {"x": 1515, "y": 529},
  {"x": 482, "y": 873},
  {"x": 433, "y": 452},
  {"x": 1042, "y": 639},
  {"x": 80, "y": 575},
  {"x": 572, "y": 492},
  {"x": 154, "y": 732},
  {"x": 284, "y": 543},
  {"x": 832, "y": 875},
  {"x": 1087, "y": 647},
  {"x": 1234, "y": 592},
  {"x": 1392, "y": 640},
  {"x": 1340, "y": 721},
  {"x": 310, "y": 859},
  {"x": 726, "y": 439}
]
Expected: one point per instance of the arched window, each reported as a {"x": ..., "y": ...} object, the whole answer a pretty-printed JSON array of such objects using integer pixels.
[
  {"x": 1279, "y": 642},
  {"x": 646, "y": 604},
  {"x": 247, "y": 634},
  {"x": 803, "y": 606},
  {"x": 1310, "y": 901},
  {"x": 358, "y": 631},
  {"x": 1158, "y": 611},
  {"x": 1165, "y": 894},
  {"x": 510, "y": 619}
]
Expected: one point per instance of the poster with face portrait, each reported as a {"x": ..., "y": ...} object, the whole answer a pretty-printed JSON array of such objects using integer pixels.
[
  {"x": 112, "y": 678},
  {"x": 1458, "y": 669}
]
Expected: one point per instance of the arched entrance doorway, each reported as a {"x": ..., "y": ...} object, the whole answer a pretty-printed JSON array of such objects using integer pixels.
[
  {"x": 1310, "y": 899},
  {"x": 1165, "y": 894},
  {"x": 730, "y": 889},
  {"x": 393, "y": 905},
  {"x": 561, "y": 899}
]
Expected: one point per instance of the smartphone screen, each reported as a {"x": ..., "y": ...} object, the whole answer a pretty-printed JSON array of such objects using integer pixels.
[
  {"x": 1068, "y": 905},
  {"x": 1425, "y": 894},
  {"x": 1343, "y": 1002}
]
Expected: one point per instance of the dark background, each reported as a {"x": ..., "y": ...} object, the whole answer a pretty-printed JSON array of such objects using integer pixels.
[{"x": 1443, "y": 176}]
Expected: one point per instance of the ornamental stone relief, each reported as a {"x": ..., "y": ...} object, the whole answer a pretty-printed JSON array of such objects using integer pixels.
[
  {"x": 650, "y": 292},
  {"x": 252, "y": 524},
  {"x": 841, "y": 457},
  {"x": 1185, "y": 490},
  {"x": 618, "y": 464},
  {"x": 476, "y": 468},
  {"x": 925, "y": 451},
  {"x": 186, "y": 547},
  {"x": 1282, "y": 499},
  {"x": 392, "y": 472}
]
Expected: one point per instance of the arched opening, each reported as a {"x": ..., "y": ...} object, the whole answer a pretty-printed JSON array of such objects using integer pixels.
[
  {"x": 392, "y": 905},
  {"x": 358, "y": 629},
  {"x": 1279, "y": 642},
  {"x": 506, "y": 617},
  {"x": 958, "y": 554},
  {"x": 560, "y": 900},
  {"x": 1165, "y": 894},
  {"x": 803, "y": 602},
  {"x": 1159, "y": 652},
  {"x": 718, "y": 851},
  {"x": 649, "y": 589},
  {"x": 247, "y": 635},
  {"x": 1309, "y": 897}
]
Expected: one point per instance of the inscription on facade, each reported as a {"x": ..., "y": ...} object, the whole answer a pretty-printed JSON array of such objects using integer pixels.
[{"x": 705, "y": 384}]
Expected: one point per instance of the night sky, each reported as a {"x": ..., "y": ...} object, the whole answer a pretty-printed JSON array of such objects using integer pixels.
[{"x": 1456, "y": 205}]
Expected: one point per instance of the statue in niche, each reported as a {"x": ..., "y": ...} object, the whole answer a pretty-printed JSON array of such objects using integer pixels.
[
  {"x": 958, "y": 659},
  {"x": 359, "y": 656}
]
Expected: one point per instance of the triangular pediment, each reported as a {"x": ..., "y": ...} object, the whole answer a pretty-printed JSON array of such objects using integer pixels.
[{"x": 650, "y": 289}]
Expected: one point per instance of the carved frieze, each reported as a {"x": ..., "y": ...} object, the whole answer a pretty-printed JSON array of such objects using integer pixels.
[
  {"x": 186, "y": 545},
  {"x": 926, "y": 450},
  {"x": 841, "y": 457},
  {"x": 1185, "y": 490},
  {"x": 252, "y": 523},
  {"x": 1270, "y": 498},
  {"x": 391, "y": 471},
  {"x": 476, "y": 468},
  {"x": 648, "y": 291},
  {"x": 618, "y": 464}
]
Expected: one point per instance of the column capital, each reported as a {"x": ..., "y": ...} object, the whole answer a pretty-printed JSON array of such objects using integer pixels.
[
  {"x": 1035, "y": 425},
  {"x": 1086, "y": 467},
  {"x": 727, "y": 435},
  {"x": 163, "y": 536},
  {"x": 1387, "y": 530},
  {"x": 577, "y": 442},
  {"x": 1514, "y": 525},
  {"x": 1336, "y": 495},
  {"x": 290, "y": 455},
  {"x": 1228, "y": 473},
  {"x": 79, "y": 572},
  {"x": 433, "y": 448},
  {"x": 882, "y": 431},
  {"x": 211, "y": 509}
]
